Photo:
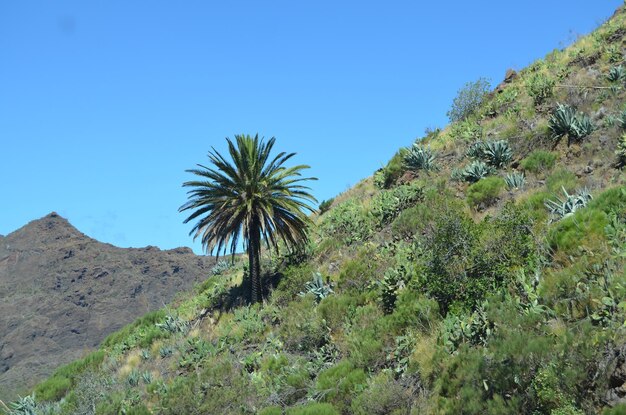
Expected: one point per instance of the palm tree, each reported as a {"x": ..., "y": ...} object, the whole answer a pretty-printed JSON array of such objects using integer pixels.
[{"x": 253, "y": 197}]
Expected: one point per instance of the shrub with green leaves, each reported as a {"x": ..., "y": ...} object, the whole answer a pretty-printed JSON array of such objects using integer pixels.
[
  {"x": 538, "y": 161},
  {"x": 388, "y": 175},
  {"x": 515, "y": 180},
  {"x": 386, "y": 205},
  {"x": 468, "y": 99},
  {"x": 540, "y": 87},
  {"x": 339, "y": 383},
  {"x": 467, "y": 130},
  {"x": 349, "y": 222},
  {"x": 419, "y": 157},
  {"x": 476, "y": 170},
  {"x": 563, "y": 207},
  {"x": 485, "y": 192},
  {"x": 566, "y": 121}
]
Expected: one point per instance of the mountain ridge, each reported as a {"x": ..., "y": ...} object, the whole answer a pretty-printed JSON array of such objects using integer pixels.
[{"x": 62, "y": 292}]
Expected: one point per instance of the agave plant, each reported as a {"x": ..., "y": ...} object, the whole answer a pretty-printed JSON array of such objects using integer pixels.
[
  {"x": 497, "y": 153},
  {"x": 616, "y": 74},
  {"x": 622, "y": 119},
  {"x": 220, "y": 267},
  {"x": 476, "y": 170},
  {"x": 566, "y": 206},
  {"x": 23, "y": 406},
  {"x": 476, "y": 150},
  {"x": 621, "y": 151},
  {"x": 515, "y": 180},
  {"x": 317, "y": 287},
  {"x": 421, "y": 158},
  {"x": 565, "y": 120}
]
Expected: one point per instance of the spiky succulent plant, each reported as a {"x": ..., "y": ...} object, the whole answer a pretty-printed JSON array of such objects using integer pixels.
[
  {"x": 565, "y": 120},
  {"x": 567, "y": 205},
  {"x": 421, "y": 158},
  {"x": 476, "y": 170},
  {"x": 515, "y": 180},
  {"x": 317, "y": 287},
  {"x": 497, "y": 153},
  {"x": 617, "y": 74}
]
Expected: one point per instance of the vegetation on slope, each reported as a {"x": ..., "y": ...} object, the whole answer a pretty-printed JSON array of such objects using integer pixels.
[{"x": 423, "y": 289}]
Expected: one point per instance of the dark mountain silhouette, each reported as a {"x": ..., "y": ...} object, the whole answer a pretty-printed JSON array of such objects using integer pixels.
[{"x": 62, "y": 293}]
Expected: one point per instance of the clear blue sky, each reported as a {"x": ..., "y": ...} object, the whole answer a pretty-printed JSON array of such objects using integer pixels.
[{"x": 103, "y": 105}]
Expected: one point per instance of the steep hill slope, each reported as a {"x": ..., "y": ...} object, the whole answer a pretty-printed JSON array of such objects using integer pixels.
[
  {"x": 482, "y": 271},
  {"x": 62, "y": 292}
]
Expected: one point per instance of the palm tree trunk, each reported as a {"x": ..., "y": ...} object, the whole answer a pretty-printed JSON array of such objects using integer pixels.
[{"x": 254, "y": 262}]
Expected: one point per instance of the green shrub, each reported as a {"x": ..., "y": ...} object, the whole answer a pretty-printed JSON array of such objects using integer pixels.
[
  {"x": 540, "y": 87},
  {"x": 336, "y": 309},
  {"x": 339, "y": 383},
  {"x": 272, "y": 410},
  {"x": 583, "y": 228},
  {"x": 383, "y": 396},
  {"x": 387, "y": 204},
  {"x": 468, "y": 99},
  {"x": 619, "y": 409},
  {"x": 314, "y": 409},
  {"x": 538, "y": 161},
  {"x": 465, "y": 261},
  {"x": 148, "y": 321},
  {"x": 468, "y": 130},
  {"x": 485, "y": 192},
  {"x": 388, "y": 175},
  {"x": 561, "y": 179},
  {"x": 348, "y": 222},
  {"x": 301, "y": 327},
  {"x": 57, "y": 385}
]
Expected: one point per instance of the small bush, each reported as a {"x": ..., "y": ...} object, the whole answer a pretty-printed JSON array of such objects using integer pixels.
[
  {"x": 468, "y": 99},
  {"x": 339, "y": 383},
  {"x": 561, "y": 178},
  {"x": 313, "y": 409},
  {"x": 467, "y": 130},
  {"x": 388, "y": 204},
  {"x": 539, "y": 161},
  {"x": 485, "y": 192},
  {"x": 540, "y": 87},
  {"x": 388, "y": 175},
  {"x": 57, "y": 385},
  {"x": 348, "y": 222}
]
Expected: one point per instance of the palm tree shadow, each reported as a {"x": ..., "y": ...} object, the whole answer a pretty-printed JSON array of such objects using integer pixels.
[{"x": 239, "y": 295}]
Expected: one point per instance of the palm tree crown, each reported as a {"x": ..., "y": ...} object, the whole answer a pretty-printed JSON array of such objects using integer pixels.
[{"x": 254, "y": 197}]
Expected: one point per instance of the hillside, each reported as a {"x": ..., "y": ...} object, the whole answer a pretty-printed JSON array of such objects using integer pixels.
[
  {"x": 481, "y": 271},
  {"x": 62, "y": 293}
]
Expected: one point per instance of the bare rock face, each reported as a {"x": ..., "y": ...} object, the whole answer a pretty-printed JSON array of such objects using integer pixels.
[{"x": 62, "y": 293}]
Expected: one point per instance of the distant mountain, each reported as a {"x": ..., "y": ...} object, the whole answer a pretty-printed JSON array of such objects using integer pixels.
[{"x": 62, "y": 293}]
